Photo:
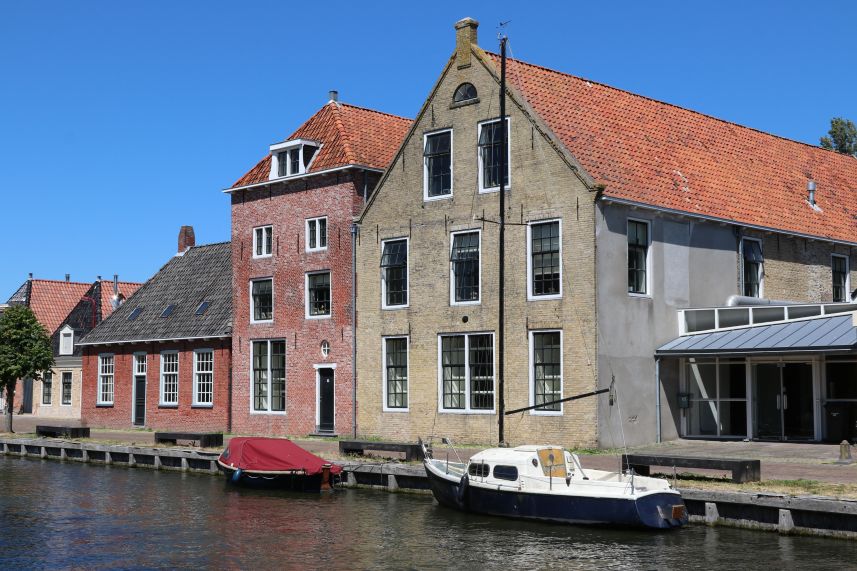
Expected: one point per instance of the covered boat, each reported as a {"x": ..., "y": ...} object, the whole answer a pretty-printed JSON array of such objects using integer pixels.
[
  {"x": 548, "y": 483},
  {"x": 275, "y": 462}
]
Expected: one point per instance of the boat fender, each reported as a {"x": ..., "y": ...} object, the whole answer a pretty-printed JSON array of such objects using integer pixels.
[
  {"x": 567, "y": 481},
  {"x": 462, "y": 490},
  {"x": 236, "y": 475}
]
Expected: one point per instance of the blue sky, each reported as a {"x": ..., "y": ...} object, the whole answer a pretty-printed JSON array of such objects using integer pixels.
[{"x": 121, "y": 121}]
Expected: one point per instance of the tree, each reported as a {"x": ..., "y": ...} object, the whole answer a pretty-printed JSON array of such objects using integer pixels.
[
  {"x": 843, "y": 137},
  {"x": 25, "y": 352}
]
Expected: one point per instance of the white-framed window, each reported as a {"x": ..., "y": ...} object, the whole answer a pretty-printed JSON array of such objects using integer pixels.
[
  {"x": 47, "y": 387},
  {"x": 841, "y": 278},
  {"x": 466, "y": 373},
  {"x": 66, "y": 388},
  {"x": 316, "y": 234},
  {"x": 268, "y": 359},
  {"x": 292, "y": 158},
  {"x": 318, "y": 296},
  {"x": 465, "y": 262},
  {"x": 263, "y": 241},
  {"x": 105, "y": 379},
  {"x": 546, "y": 371},
  {"x": 490, "y": 154},
  {"x": 544, "y": 259},
  {"x": 437, "y": 167},
  {"x": 169, "y": 378},
  {"x": 753, "y": 263},
  {"x": 639, "y": 240},
  {"x": 262, "y": 300},
  {"x": 66, "y": 340},
  {"x": 395, "y": 366},
  {"x": 394, "y": 273},
  {"x": 203, "y": 377}
]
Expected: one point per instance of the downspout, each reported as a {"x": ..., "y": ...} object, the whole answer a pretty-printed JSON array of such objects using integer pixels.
[
  {"x": 658, "y": 400},
  {"x": 229, "y": 384},
  {"x": 354, "y": 228}
]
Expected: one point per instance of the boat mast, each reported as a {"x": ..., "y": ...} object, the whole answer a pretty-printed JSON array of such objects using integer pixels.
[{"x": 502, "y": 265}]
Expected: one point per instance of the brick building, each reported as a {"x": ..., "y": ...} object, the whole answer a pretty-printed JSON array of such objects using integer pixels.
[
  {"x": 162, "y": 360},
  {"x": 68, "y": 310},
  {"x": 292, "y": 260}
]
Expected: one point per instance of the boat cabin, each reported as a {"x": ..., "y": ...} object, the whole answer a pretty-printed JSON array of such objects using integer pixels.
[{"x": 500, "y": 466}]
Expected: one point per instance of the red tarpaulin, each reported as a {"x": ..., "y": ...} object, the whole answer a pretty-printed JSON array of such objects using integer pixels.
[{"x": 272, "y": 455}]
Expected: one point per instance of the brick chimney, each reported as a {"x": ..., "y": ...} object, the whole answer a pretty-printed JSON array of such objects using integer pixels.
[
  {"x": 465, "y": 36},
  {"x": 186, "y": 239}
]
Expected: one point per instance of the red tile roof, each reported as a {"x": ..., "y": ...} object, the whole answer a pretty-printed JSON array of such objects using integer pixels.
[
  {"x": 349, "y": 135},
  {"x": 52, "y": 300},
  {"x": 125, "y": 288},
  {"x": 654, "y": 153}
]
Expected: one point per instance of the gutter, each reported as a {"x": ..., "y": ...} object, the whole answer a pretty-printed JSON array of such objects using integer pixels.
[{"x": 300, "y": 177}]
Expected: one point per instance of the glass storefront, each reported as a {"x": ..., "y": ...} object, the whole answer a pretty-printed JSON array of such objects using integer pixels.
[{"x": 717, "y": 398}]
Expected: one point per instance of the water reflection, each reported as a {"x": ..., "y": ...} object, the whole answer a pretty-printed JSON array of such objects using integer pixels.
[{"x": 73, "y": 515}]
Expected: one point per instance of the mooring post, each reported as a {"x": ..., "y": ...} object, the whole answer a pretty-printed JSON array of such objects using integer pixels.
[
  {"x": 43, "y": 453},
  {"x": 351, "y": 479},
  {"x": 711, "y": 514},
  {"x": 108, "y": 459},
  {"x": 786, "y": 524},
  {"x": 184, "y": 464},
  {"x": 392, "y": 484},
  {"x": 844, "y": 453}
]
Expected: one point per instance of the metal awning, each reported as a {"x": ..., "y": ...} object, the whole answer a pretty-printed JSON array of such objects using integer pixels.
[{"x": 826, "y": 334}]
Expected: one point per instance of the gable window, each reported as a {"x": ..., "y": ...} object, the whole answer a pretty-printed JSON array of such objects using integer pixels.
[
  {"x": 105, "y": 380},
  {"x": 438, "y": 164},
  {"x": 66, "y": 388},
  {"x": 316, "y": 234},
  {"x": 262, "y": 300},
  {"x": 491, "y": 152},
  {"x": 263, "y": 238},
  {"x": 754, "y": 267},
  {"x": 464, "y": 92},
  {"x": 394, "y": 273},
  {"x": 66, "y": 341},
  {"x": 467, "y": 372},
  {"x": 546, "y": 370},
  {"x": 545, "y": 260},
  {"x": 203, "y": 377},
  {"x": 170, "y": 378},
  {"x": 465, "y": 262},
  {"x": 638, "y": 257},
  {"x": 291, "y": 157},
  {"x": 841, "y": 285},
  {"x": 47, "y": 387},
  {"x": 318, "y": 295},
  {"x": 396, "y": 373},
  {"x": 269, "y": 376}
]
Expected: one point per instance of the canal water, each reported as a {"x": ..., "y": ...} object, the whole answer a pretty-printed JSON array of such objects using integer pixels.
[{"x": 61, "y": 515}]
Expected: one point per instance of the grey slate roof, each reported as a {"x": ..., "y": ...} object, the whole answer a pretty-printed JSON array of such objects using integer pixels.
[
  {"x": 203, "y": 273},
  {"x": 823, "y": 334}
]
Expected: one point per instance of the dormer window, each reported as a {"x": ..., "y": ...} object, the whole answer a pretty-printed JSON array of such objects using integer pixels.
[
  {"x": 66, "y": 341},
  {"x": 292, "y": 158}
]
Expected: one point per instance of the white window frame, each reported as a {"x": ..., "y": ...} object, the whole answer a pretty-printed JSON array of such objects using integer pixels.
[
  {"x": 530, "y": 295},
  {"x": 384, "y": 407},
  {"x": 253, "y": 409},
  {"x": 161, "y": 401},
  {"x": 101, "y": 376},
  {"x": 66, "y": 333},
  {"x": 648, "y": 223},
  {"x": 452, "y": 268},
  {"x": 252, "y": 306},
  {"x": 407, "y": 274},
  {"x": 532, "y": 372},
  {"x": 70, "y": 390},
  {"x": 267, "y": 229},
  {"x": 426, "y": 196},
  {"x": 466, "y": 409},
  {"x": 48, "y": 393},
  {"x": 317, "y": 234},
  {"x": 847, "y": 275},
  {"x": 482, "y": 189},
  {"x": 196, "y": 372},
  {"x": 306, "y": 294},
  {"x": 761, "y": 266},
  {"x": 286, "y": 147}
]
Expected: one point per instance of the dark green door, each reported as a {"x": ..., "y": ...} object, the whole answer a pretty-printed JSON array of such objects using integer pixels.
[
  {"x": 769, "y": 420},
  {"x": 325, "y": 400},
  {"x": 140, "y": 400}
]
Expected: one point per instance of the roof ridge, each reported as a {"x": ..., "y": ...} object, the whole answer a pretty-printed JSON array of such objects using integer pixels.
[
  {"x": 375, "y": 111},
  {"x": 63, "y": 281},
  {"x": 674, "y": 105},
  {"x": 210, "y": 244},
  {"x": 343, "y": 132}
]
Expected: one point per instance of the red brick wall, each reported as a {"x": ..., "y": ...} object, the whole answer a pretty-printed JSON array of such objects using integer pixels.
[
  {"x": 184, "y": 416},
  {"x": 286, "y": 208}
]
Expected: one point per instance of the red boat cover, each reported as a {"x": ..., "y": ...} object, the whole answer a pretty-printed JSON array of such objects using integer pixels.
[{"x": 272, "y": 455}]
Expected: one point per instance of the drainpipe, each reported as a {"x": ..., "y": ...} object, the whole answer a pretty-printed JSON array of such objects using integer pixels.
[
  {"x": 354, "y": 329},
  {"x": 658, "y": 399}
]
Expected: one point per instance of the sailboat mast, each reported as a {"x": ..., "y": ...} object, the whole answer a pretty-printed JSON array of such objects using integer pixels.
[{"x": 501, "y": 329}]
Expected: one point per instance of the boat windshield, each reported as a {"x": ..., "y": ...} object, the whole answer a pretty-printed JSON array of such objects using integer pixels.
[{"x": 552, "y": 461}]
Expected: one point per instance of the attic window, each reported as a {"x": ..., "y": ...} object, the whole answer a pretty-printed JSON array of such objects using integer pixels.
[
  {"x": 464, "y": 92},
  {"x": 135, "y": 313},
  {"x": 202, "y": 307},
  {"x": 168, "y": 310},
  {"x": 292, "y": 158}
]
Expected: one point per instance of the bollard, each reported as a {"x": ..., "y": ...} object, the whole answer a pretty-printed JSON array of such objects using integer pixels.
[
  {"x": 325, "y": 477},
  {"x": 352, "y": 480},
  {"x": 786, "y": 524},
  {"x": 392, "y": 484},
  {"x": 711, "y": 513},
  {"x": 844, "y": 453}
]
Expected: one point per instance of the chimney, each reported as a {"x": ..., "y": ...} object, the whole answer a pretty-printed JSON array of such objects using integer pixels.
[
  {"x": 465, "y": 36},
  {"x": 187, "y": 239},
  {"x": 67, "y": 278},
  {"x": 31, "y": 276},
  {"x": 334, "y": 95},
  {"x": 810, "y": 189},
  {"x": 115, "y": 300}
]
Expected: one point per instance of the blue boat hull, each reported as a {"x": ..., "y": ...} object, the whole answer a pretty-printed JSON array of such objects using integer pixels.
[{"x": 647, "y": 511}]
